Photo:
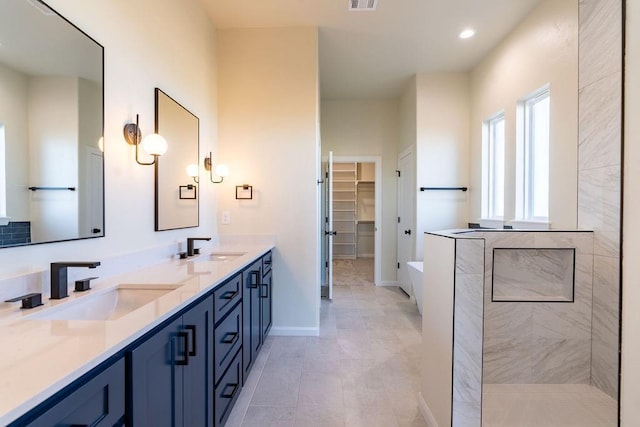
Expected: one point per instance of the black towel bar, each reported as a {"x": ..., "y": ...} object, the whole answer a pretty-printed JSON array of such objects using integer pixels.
[{"x": 443, "y": 188}]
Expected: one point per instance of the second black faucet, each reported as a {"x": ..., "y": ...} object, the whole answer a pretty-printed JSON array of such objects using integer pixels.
[{"x": 191, "y": 251}]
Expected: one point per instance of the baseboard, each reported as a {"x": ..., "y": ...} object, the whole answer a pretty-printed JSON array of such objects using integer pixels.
[
  {"x": 287, "y": 331},
  {"x": 387, "y": 283},
  {"x": 426, "y": 412}
]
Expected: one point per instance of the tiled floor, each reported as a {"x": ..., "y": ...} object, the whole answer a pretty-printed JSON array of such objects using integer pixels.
[
  {"x": 363, "y": 369},
  {"x": 549, "y": 405}
]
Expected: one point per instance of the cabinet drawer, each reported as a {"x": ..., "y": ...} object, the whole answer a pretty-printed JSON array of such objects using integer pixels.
[
  {"x": 228, "y": 390},
  {"x": 227, "y": 338},
  {"x": 226, "y": 296},
  {"x": 98, "y": 402},
  {"x": 266, "y": 263}
]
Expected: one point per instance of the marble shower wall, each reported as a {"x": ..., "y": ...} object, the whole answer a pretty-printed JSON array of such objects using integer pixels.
[
  {"x": 467, "y": 335},
  {"x": 539, "y": 342},
  {"x": 599, "y": 180}
]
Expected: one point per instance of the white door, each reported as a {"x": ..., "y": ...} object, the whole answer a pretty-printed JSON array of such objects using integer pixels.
[
  {"x": 406, "y": 234},
  {"x": 96, "y": 195},
  {"x": 327, "y": 247}
]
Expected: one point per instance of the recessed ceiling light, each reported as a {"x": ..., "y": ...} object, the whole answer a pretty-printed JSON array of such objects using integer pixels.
[{"x": 467, "y": 33}]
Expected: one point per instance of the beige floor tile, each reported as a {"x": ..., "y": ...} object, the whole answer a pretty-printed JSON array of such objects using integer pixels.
[{"x": 267, "y": 416}]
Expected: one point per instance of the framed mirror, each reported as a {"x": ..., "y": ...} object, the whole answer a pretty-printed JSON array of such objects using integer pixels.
[
  {"x": 176, "y": 193},
  {"x": 51, "y": 126}
]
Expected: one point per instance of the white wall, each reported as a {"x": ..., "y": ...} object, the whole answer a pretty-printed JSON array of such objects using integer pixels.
[
  {"x": 368, "y": 128},
  {"x": 148, "y": 43},
  {"x": 268, "y": 101},
  {"x": 542, "y": 49},
  {"x": 407, "y": 114},
  {"x": 442, "y": 152},
  {"x": 13, "y": 114},
  {"x": 630, "y": 386},
  {"x": 53, "y": 157}
]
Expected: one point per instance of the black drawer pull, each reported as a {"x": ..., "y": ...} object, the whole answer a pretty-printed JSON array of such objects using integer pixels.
[
  {"x": 229, "y": 295},
  {"x": 254, "y": 279},
  {"x": 268, "y": 262},
  {"x": 192, "y": 328},
  {"x": 266, "y": 294},
  {"x": 233, "y": 391},
  {"x": 229, "y": 338},
  {"x": 185, "y": 350}
]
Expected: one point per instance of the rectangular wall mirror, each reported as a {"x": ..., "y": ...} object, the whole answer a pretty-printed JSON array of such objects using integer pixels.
[
  {"x": 51, "y": 126},
  {"x": 176, "y": 193}
]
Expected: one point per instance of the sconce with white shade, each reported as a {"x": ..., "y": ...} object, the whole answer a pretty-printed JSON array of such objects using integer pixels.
[
  {"x": 193, "y": 172},
  {"x": 221, "y": 171},
  {"x": 153, "y": 144}
]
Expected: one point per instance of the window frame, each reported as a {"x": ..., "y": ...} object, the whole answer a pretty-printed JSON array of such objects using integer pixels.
[
  {"x": 489, "y": 162},
  {"x": 529, "y": 142}
]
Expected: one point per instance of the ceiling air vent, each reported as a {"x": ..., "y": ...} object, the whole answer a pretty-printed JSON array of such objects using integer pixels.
[{"x": 362, "y": 5}]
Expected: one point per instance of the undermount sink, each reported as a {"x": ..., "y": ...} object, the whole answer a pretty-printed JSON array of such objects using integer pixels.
[
  {"x": 110, "y": 304},
  {"x": 223, "y": 256}
]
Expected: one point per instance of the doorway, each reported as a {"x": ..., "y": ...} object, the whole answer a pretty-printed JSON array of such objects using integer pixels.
[
  {"x": 406, "y": 217},
  {"x": 352, "y": 212}
]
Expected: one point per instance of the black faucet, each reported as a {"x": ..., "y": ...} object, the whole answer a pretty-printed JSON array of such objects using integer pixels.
[
  {"x": 59, "y": 276},
  {"x": 190, "y": 250}
]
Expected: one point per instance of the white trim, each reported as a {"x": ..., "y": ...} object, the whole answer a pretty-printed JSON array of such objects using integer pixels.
[
  {"x": 5, "y": 220},
  {"x": 426, "y": 412},
  {"x": 292, "y": 331},
  {"x": 377, "y": 160},
  {"x": 388, "y": 283}
]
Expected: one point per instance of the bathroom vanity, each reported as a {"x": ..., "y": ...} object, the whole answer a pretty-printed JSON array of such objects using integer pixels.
[{"x": 175, "y": 349}]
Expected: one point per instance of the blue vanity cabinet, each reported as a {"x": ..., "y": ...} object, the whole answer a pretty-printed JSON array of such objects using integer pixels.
[
  {"x": 171, "y": 372},
  {"x": 97, "y": 399},
  {"x": 251, "y": 333},
  {"x": 265, "y": 305}
]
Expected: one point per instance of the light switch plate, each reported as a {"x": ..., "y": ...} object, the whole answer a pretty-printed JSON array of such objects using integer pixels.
[{"x": 226, "y": 217}]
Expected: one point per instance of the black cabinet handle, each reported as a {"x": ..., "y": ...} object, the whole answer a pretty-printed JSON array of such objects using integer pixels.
[
  {"x": 254, "y": 279},
  {"x": 330, "y": 233},
  {"x": 267, "y": 261},
  {"x": 266, "y": 294},
  {"x": 229, "y": 338},
  {"x": 192, "y": 328},
  {"x": 234, "y": 389},
  {"x": 229, "y": 295},
  {"x": 185, "y": 350},
  {"x": 407, "y": 232}
]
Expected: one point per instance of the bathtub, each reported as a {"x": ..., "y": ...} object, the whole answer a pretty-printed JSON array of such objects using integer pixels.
[{"x": 415, "y": 275}]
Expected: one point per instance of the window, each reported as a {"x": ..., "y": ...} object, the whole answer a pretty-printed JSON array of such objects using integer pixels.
[
  {"x": 493, "y": 167},
  {"x": 536, "y": 157}
]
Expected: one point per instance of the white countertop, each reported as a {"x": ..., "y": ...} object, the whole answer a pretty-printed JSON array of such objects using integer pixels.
[{"x": 40, "y": 357}]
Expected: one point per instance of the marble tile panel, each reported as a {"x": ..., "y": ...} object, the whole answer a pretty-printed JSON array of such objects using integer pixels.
[
  {"x": 590, "y": 208},
  {"x": 469, "y": 256},
  {"x": 467, "y": 373},
  {"x": 562, "y": 320},
  {"x": 533, "y": 274},
  {"x": 607, "y": 243},
  {"x": 263, "y": 416},
  {"x": 561, "y": 360},
  {"x": 606, "y": 272},
  {"x": 581, "y": 241},
  {"x": 466, "y": 414},
  {"x": 468, "y": 306},
  {"x": 508, "y": 320},
  {"x": 507, "y": 360},
  {"x": 604, "y": 369},
  {"x": 599, "y": 39},
  {"x": 600, "y": 121}
]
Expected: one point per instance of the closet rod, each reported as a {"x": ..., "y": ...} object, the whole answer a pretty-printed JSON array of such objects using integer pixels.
[{"x": 443, "y": 188}]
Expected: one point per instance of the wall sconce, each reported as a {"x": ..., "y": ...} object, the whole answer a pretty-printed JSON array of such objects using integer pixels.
[
  {"x": 153, "y": 144},
  {"x": 193, "y": 172},
  {"x": 221, "y": 171}
]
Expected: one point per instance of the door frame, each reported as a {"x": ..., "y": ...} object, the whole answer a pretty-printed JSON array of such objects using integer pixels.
[
  {"x": 410, "y": 151},
  {"x": 377, "y": 250}
]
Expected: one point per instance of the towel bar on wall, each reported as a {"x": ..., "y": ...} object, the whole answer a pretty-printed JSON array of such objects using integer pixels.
[
  {"x": 52, "y": 188},
  {"x": 443, "y": 188}
]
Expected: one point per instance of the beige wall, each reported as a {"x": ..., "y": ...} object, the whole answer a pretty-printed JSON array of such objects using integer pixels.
[
  {"x": 408, "y": 117},
  {"x": 368, "y": 128},
  {"x": 140, "y": 54},
  {"x": 442, "y": 152},
  {"x": 542, "y": 49},
  {"x": 268, "y": 102},
  {"x": 630, "y": 387}
]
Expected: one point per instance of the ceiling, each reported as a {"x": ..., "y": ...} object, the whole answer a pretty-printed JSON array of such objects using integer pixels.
[{"x": 372, "y": 54}]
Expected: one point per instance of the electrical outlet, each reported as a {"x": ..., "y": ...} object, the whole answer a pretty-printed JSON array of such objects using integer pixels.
[{"x": 226, "y": 217}]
